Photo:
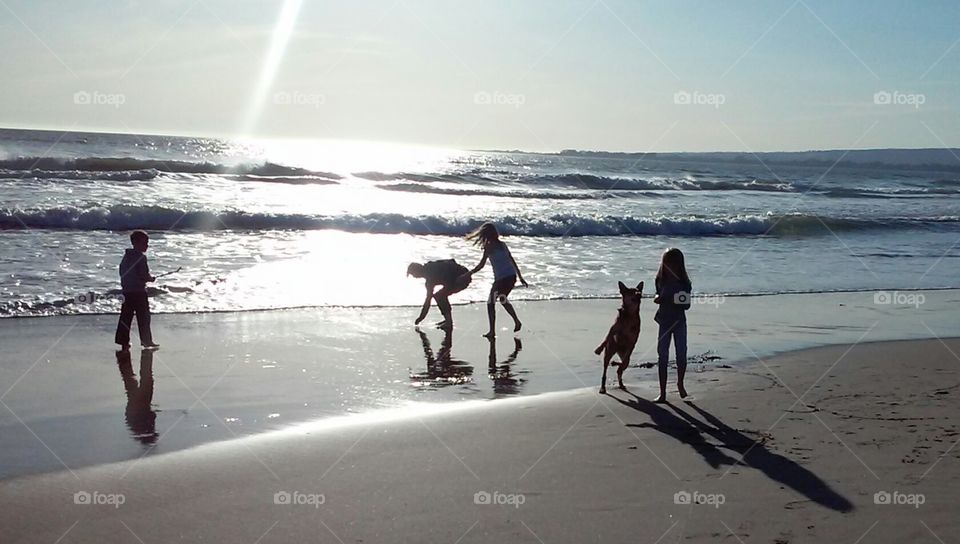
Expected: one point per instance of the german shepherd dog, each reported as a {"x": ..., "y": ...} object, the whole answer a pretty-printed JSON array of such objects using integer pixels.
[{"x": 623, "y": 334}]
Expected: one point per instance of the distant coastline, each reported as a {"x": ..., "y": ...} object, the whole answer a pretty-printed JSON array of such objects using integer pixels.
[{"x": 927, "y": 159}]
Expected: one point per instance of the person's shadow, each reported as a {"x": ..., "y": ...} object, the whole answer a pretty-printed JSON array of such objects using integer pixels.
[
  {"x": 140, "y": 416},
  {"x": 690, "y": 430},
  {"x": 442, "y": 369},
  {"x": 505, "y": 381}
]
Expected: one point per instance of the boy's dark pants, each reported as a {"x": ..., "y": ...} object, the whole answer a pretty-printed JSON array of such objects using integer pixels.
[{"x": 134, "y": 303}]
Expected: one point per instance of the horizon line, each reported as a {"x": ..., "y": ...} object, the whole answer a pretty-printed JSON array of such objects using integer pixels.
[{"x": 148, "y": 132}]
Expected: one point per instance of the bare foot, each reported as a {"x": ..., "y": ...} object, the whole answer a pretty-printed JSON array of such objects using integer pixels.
[
  {"x": 516, "y": 328},
  {"x": 683, "y": 392},
  {"x": 660, "y": 399}
]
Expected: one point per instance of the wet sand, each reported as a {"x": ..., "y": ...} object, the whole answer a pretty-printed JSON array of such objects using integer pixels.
[
  {"x": 68, "y": 402},
  {"x": 801, "y": 447}
]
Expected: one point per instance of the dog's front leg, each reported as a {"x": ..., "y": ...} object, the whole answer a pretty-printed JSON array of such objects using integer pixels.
[
  {"x": 606, "y": 362},
  {"x": 624, "y": 363}
]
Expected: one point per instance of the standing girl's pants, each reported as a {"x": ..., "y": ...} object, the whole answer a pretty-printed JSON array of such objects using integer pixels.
[{"x": 678, "y": 331}]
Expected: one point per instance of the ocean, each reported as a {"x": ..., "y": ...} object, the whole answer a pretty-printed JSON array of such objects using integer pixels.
[{"x": 278, "y": 224}]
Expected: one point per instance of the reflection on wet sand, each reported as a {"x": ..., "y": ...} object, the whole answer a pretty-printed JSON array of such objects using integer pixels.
[
  {"x": 442, "y": 368},
  {"x": 505, "y": 380},
  {"x": 140, "y": 416}
]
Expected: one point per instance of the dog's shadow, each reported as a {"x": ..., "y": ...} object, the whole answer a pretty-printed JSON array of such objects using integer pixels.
[{"x": 690, "y": 430}]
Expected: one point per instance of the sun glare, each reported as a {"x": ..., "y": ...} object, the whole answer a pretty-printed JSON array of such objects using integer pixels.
[{"x": 279, "y": 39}]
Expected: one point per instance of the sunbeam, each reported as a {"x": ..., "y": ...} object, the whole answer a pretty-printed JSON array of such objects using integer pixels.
[{"x": 282, "y": 31}]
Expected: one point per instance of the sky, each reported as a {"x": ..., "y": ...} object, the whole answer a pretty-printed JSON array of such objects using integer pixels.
[{"x": 536, "y": 75}]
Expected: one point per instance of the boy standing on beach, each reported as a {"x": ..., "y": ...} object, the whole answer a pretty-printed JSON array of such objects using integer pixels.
[{"x": 134, "y": 275}]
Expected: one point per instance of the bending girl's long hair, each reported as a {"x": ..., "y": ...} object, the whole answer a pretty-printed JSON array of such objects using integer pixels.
[{"x": 672, "y": 266}]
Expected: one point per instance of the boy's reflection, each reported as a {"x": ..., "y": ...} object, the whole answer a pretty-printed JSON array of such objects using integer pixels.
[
  {"x": 442, "y": 368},
  {"x": 505, "y": 381},
  {"x": 141, "y": 419}
]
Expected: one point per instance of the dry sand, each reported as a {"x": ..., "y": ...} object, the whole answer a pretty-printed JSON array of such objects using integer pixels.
[{"x": 795, "y": 448}]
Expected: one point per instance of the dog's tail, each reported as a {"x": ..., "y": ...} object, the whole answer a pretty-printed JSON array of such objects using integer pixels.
[{"x": 600, "y": 347}]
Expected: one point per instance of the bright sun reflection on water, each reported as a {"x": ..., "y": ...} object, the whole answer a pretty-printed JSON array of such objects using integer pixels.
[
  {"x": 345, "y": 157},
  {"x": 339, "y": 269}
]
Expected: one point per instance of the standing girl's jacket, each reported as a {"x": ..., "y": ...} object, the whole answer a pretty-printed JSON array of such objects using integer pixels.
[{"x": 674, "y": 301}]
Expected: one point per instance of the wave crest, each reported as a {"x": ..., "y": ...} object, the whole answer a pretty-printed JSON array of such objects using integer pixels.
[{"x": 124, "y": 217}]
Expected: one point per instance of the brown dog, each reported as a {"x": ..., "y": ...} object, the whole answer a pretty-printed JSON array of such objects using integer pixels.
[{"x": 623, "y": 334}]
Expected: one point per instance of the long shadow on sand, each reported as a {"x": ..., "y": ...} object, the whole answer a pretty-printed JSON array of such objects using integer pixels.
[{"x": 690, "y": 430}]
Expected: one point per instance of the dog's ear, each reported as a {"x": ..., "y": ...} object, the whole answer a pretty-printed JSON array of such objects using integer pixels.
[
  {"x": 623, "y": 288},
  {"x": 640, "y": 287}
]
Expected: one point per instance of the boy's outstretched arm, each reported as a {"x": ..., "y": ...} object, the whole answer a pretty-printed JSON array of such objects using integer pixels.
[{"x": 426, "y": 305}]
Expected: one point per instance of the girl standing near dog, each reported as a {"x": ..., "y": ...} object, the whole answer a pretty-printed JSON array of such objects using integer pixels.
[
  {"x": 673, "y": 298},
  {"x": 505, "y": 273}
]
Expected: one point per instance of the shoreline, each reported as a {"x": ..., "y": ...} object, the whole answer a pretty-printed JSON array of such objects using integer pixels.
[
  {"x": 475, "y": 302},
  {"x": 778, "y": 450}
]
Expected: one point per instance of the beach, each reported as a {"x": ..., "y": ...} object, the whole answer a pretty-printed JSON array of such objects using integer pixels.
[
  {"x": 800, "y": 447},
  {"x": 777, "y": 445},
  {"x": 293, "y": 398}
]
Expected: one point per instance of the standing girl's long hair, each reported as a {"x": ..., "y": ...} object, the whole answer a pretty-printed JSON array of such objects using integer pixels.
[
  {"x": 672, "y": 267},
  {"x": 486, "y": 235}
]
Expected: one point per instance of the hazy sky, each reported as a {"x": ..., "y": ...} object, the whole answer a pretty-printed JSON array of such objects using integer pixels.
[{"x": 539, "y": 75}]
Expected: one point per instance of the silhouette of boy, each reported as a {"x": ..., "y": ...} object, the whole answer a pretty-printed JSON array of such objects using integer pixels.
[
  {"x": 134, "y": 275},
  {"x": 450, "y": 276}
]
